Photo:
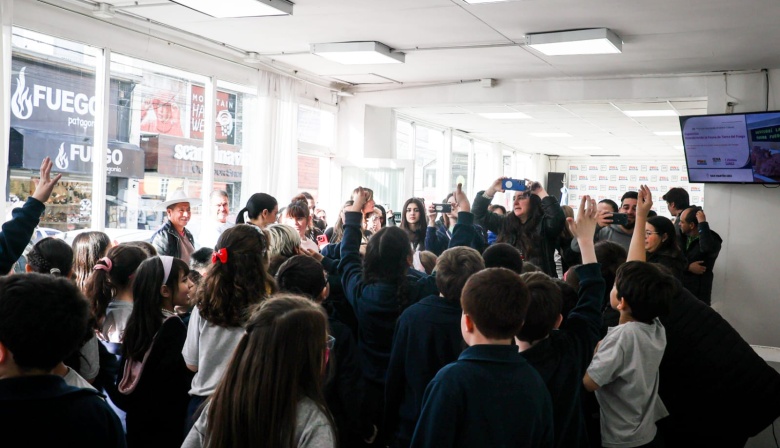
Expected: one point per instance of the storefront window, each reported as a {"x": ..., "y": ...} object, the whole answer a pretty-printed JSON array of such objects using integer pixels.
[
  {"x": 53, "y": 114},
  {"x": 162, "y": 122}
]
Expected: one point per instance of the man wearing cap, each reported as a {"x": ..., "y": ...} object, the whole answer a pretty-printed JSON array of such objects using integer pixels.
[{"x": 173, "y": 238}]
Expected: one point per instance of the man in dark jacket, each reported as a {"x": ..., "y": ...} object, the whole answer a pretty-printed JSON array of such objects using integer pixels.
[
  {"x": 173, "y": 238},
  {"x": 701, "y": 247}
]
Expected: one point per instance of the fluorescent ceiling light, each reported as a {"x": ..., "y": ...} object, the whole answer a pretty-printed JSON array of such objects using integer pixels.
[
  {"x": 505, "y": 115},
  {"x": 585, "y": 148},
  {"x": 590, "y": 41},
  {"x": 239, "y": 8},
  {"x": 550, "y": 134},
  {"x": 353, "y": 53},
  {"x": 651, "y": 113},
  {"x": 667, "y": 133}
]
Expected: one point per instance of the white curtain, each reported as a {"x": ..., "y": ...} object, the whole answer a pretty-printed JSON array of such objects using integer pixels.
[{"x": 271, "y": 155}]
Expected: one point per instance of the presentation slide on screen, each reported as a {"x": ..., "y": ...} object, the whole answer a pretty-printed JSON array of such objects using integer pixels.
[{"x": 733, "y": 148}]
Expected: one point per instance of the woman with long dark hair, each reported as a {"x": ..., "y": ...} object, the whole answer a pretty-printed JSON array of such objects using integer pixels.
[
  {"x": 298, "y": 216},
  {"x": 662, "y": 247},
  {"x": 154, "y": 380},
  {"x": 88, "y": 248},
  {"x": 533, "y": 226},
  {"x": 413, "y": 222},
  {"x": 261, "y": 210},
  {"x": 271, "y": 393}
]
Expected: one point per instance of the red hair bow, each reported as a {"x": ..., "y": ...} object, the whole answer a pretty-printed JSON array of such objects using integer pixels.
[{"x": 220, "y": 255}]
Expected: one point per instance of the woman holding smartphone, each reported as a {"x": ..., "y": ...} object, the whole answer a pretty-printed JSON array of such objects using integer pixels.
[{"x": 533, "y": 225}]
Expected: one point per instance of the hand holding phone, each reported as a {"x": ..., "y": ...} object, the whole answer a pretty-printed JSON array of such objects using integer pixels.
[
  {"x": 442, "y": 208},
  {"x": 513, "y": 184},
  {"x": 322, "y": 240},
  {"x": 620, "y": 219}
]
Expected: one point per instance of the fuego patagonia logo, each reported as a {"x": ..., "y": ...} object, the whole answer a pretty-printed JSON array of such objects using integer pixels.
[
  {"x": 572, "y": 187},
  {"x": 573, "y": 168},
  {"x": 602, "y": 177},
  {"x": 61, "y": 161},
  {"x": 21, "y": 101}
]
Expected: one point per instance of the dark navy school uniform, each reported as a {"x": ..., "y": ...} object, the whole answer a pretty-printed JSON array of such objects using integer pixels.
[
  {"x": 563, "y": 357},
  {"x": 427, "y": 338},
  {"x": 489, "y": 397}
]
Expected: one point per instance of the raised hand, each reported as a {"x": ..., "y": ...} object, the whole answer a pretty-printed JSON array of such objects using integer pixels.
[
  {"x": 460, "y": 197},
  {"x": 46, "y": 184},
  {"x": 585, "y": 225},
  {"x": 644, "y": 201}
]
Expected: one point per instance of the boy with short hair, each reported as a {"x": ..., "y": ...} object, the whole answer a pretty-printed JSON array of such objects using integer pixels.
[
  {"x": 427, "y": 337},
  {"x": 562, "y": 352},
  {"x": 490, "y": 396},
  {"x": 42, "y": 320},
  {"x": 624, "y": 369}
]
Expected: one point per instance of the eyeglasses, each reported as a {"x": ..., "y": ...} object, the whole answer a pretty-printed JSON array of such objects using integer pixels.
[
  {"x": 329, "y": 344},
  {"x": 648, "y": 233}
]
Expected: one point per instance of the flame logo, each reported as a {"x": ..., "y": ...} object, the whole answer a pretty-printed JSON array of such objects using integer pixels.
[
  {"x": 21, "y": 101},
  {"x": 62, "y": 159}
]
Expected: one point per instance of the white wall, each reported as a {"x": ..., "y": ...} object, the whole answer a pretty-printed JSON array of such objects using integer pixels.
[{"x": 746, "y": 216}]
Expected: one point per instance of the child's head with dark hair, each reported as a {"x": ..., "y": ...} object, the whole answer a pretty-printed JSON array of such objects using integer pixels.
[
  {"x": 613, "y": 207},
  {"x": 50, "y": 256},
  {"x": 503, "y": 255},
  {"x": 160, "y": 283},
  {"x": 145, "y": 246},
  {"x": 237, "y": 279},
  {"x": 303, "y": 275},
  {"x": 569, "y": 297},
  {"x": 200, "y": 260},
  {"x": 88, "y": 248},
  {"x": 530, "y": 267},
  {"x": 610, "y": 256},
  {"x": 42, "y": 321},
  {"x": 388, "y": 257},
  {"x": 645, "y": 289},
  {"x": 544, "y": 309},
  {"x": 496, "y": 301},
  {"x": 454, "y": 267},
  {"x": 111, "y": 275}
]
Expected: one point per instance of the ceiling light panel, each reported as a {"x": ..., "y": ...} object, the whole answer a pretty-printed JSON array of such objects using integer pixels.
[
  {"x": 505, "y": 116},
  {"x": 590, "y": 41},
  {"x": 239, "y": 8},
  {"x": 357, "y": 53},
  {"x": 651, "y": 113}
]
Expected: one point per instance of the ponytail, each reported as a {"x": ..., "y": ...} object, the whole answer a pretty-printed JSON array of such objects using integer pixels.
[{"x": 240, "y": 217}]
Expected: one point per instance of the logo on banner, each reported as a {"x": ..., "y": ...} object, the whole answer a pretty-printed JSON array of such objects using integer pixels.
[
  {"x": 61, "y": 161},
  {"x": 623, "y": 177},
  {"x": 21, "y": 101},
  {"x": 573, "y": 168}
]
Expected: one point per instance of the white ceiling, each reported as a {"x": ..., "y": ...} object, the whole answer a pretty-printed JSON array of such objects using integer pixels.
[{"x": 660, "y": 37}]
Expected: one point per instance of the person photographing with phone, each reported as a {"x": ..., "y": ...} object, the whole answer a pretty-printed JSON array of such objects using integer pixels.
[
  {"x": 617, "y": 226},
  {"x": 532, "y": 227},
  {"x": 439, "y": 233}
]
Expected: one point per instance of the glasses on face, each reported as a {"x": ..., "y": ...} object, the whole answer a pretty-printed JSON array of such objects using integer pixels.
[
  {"x": 329, "y": 344},
  {"x": 648, "y": 233}
]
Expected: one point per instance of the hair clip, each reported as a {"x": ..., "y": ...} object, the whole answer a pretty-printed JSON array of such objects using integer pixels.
[
  {"x": 103, "y": 267},
  {"x": 220, "y": 255},
  {"x": 54, "y": 271}
]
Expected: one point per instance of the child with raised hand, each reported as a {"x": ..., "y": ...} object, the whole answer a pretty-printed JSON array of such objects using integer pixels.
[
  {"x": 271, "y": 393},
  {"x": 237, "y": 279},
  {"x": 378, "y": 290},
  {"x": 624, "y": 369},
  {"x": 154, "y": 382},
  {"x": 561, "y": 352},
  {"x": 490, "y": 396}
]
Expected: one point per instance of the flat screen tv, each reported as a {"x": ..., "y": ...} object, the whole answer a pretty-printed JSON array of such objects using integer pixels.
[{"x": 732, "y": 148}]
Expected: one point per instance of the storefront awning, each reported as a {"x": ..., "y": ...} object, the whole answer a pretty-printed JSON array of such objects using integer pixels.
[{"x": 72, "y": 154}]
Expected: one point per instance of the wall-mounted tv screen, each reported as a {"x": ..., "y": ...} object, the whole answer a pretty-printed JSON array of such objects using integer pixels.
[{"x": 732, "y": 148}]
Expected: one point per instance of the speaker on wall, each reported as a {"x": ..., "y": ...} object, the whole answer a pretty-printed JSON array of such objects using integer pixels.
[{"x": 555, "y": 183}]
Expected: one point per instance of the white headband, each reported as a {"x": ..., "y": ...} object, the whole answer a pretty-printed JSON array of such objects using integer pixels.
[
  {"x": 167, "y": 262},
  {"x": 417, "y": 263}
]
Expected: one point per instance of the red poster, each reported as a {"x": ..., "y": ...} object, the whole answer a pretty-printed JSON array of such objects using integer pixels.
[{"x": 226, "y": 113}]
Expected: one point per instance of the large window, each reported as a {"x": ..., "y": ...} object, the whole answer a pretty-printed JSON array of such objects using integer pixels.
[
  {"x": 53, "y": 115},
  {"x": 164, "y": 118},
  {"x": 429, "y": 145},
  {"x": 316, "y": 139}
]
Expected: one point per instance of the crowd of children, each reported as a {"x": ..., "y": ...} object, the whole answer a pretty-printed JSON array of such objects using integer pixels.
[{"x": 265, "y": 340}]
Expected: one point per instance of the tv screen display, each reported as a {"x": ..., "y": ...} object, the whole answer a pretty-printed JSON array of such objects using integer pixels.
[{"x": 732, "y": 148}]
